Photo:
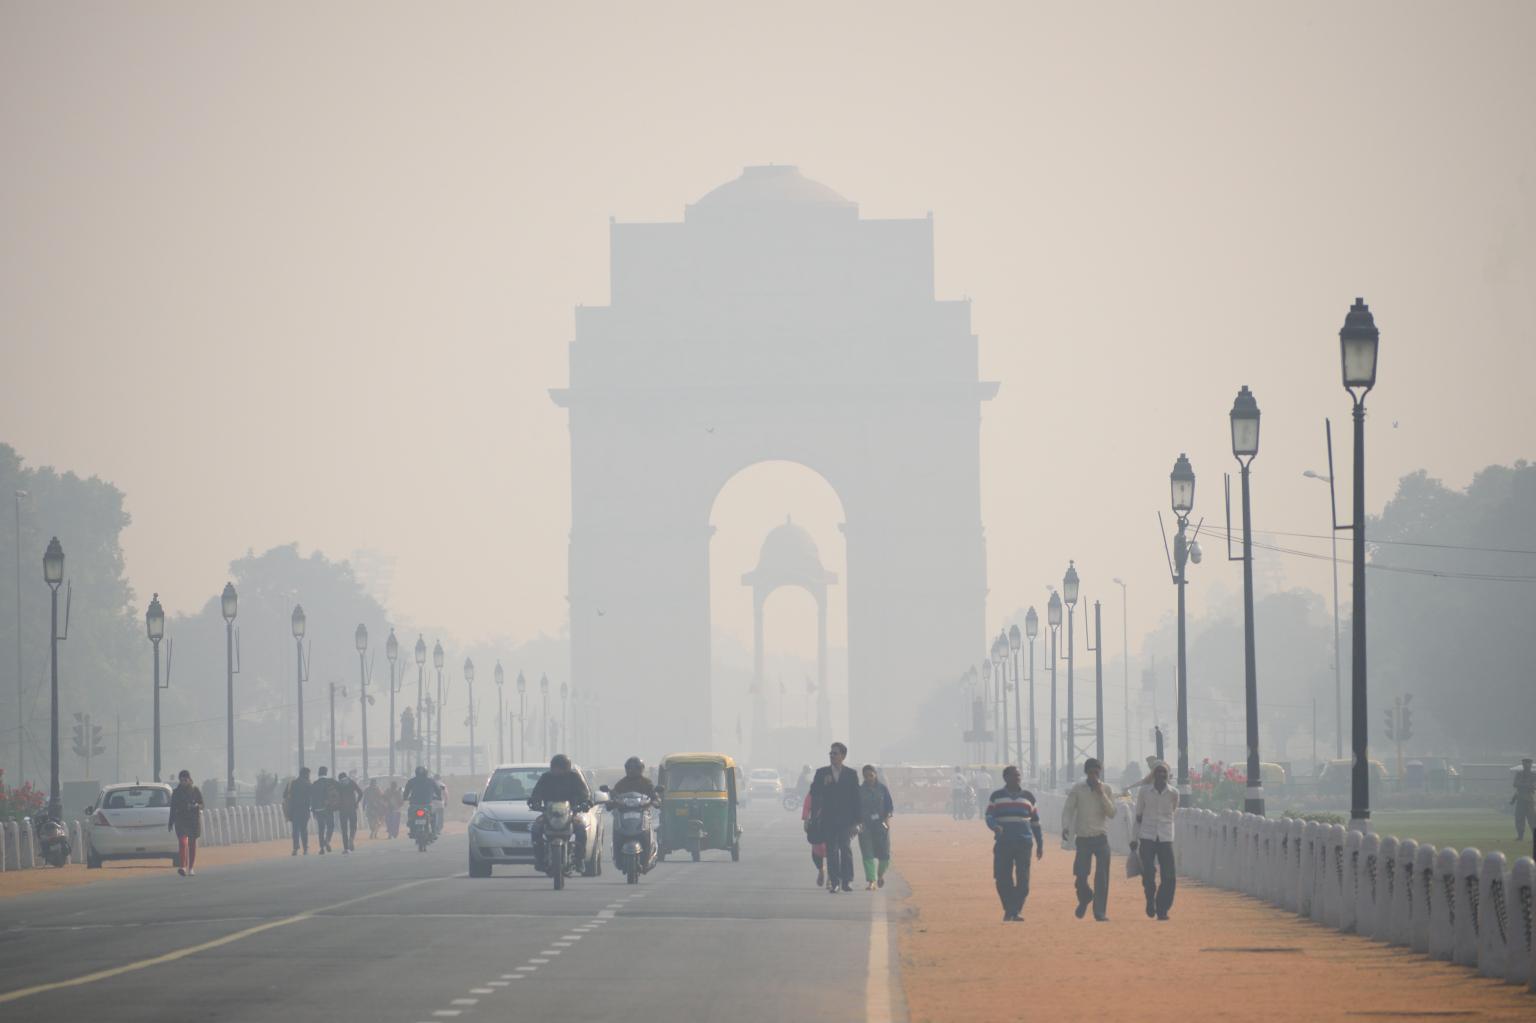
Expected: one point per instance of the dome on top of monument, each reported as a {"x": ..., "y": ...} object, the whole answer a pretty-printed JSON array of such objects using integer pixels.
[
  {"x": 773, "y": 184},
  {"x": 789, "y": 556}
]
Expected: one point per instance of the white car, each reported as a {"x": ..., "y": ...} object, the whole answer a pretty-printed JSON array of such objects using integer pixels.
[
  {"x": 131, "y": 822},
  {"x": 765, "y": 781},
  {"x": 499, "y": 831}
]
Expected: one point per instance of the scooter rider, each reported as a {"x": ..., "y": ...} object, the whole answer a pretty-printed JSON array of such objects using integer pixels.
[
  {"x": 420, "y": 790},
  {"x": 634, "y": 780},
  {"x": 559, "y": 783}
]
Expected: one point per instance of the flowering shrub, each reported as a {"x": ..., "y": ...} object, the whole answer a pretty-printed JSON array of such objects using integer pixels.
[
  {"x": 17, "y": 803},
  {"x": 1217, "y": 786}
]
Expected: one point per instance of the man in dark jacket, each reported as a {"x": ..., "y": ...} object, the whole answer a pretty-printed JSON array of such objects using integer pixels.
[
  {"x": 835, "y": 815},
  {"x": 351, "y": 796},
  {"x": 321, "y": 803},
  {"x": 561, "y": 783},
  {"x": 296, "y": 806}
]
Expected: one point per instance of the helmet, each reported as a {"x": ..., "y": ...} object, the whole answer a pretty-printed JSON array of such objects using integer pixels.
[
  {"x": 634, "y": 765},
  {"x": 559, "y": 762},
  {"x": 421, "y": 772}
]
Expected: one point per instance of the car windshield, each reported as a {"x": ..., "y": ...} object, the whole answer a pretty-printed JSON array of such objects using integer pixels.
[
  {"x": 695, "y": 778},
  {"x": 135, "y": 799},
  {"x": 511, "y": 784}
]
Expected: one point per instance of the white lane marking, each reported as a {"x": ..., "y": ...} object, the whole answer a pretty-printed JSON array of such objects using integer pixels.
[
  {"x": 481, "y": 991},
  {"x": 562, "y": 944},
  {"x": 539, "y": 962},
  {"x": 547, "y": 952},
  {"x": 446, "y": 1012},
  {"x": 570, "y": 937},
  {"x": 496, "y": 983},
  {"x": 509, "y": 976},
  {"x": 605, "y": 914},
  {"x": 463, "y": 1001},
  {"x": 877, "y": 988},
  {"x": 527, "y": 969}
]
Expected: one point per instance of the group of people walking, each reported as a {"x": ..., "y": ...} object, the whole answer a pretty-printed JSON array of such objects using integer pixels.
[
  {"x": 334, "y": 803},
  {"x": 840, "y": 806},
  {"x": 1014, "y": 819}
]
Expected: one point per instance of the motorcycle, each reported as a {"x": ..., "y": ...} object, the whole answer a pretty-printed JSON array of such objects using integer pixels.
[
  {"x": 636, "y": 844},
  {"x": 53, "y": 838},
  {"x": 421, "y": 830},
  {"x": 963, "y": 804},
  {"x": 559, "y": 834}
]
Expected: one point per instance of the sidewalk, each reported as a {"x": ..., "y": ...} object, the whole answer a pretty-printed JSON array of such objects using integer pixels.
[{"x": 1221, "y": 956}]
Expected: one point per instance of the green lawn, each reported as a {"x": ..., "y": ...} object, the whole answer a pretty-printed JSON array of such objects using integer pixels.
[{"x": 1485, "y": 830}]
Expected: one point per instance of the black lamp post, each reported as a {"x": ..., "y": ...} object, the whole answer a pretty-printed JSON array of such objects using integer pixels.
[
  {"x": 545, "y": 720},
  {"x": 300, "y": 625},
  {"x": 1181, "y": 485},
  {"x": 1031, "y": 630},
  {"x": 437, "y": 663},
  {"x": 361, "y": 638},
  {"x": 1359, "y": 342},
  {"x": 501, "y": 718},
  {"x": 154, "y": 625},
  {"x": 53, "y": 575},
  {"x": 420, "y": 737},
  {"x": 990, "y": 700},
  {"x": 1053, "y": 619},
  {"x": 229, "y": 604},
  {"x": 334, "y": 687},
  {"x": 1015, "y": 641},
  {"x": 1004, "y": 661},
  {"x": 565, "y": 693},
  {"x": 522, "y": 718},
  {"x": 469, "y": 683},
  {"x": 1245, "y": 447},
  {"x": 1097, "y": 649},
  {"x": 1069, "y": 584},
  {"x": 392, "y": 652}
]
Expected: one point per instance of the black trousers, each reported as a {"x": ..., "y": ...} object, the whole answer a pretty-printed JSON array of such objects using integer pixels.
[
  {"x": 1093, "y": 853},
  {"x": 1010, "y": 869},
  {"x": 1160, "y": 889},
  {"x": 325, "y": 827},
  {"x": 348, "y": 828},
  {"x": 300, "y": 831},
  {"x": 839, "y": 855}
]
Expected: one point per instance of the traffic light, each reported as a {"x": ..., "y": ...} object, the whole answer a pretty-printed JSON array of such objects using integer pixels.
[
  {"x": 1390, "y": 715},
  {"x": 1405, "y": 721},
  {"x": 81, "y": 721},
  {"x": 98, "y": 743}
]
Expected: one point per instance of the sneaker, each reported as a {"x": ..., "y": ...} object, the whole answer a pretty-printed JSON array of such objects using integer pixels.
[
  {"x": 191, "y": 872},
  {"x": 831, "y": 889},
  {"x": 880, "y": 881},
  {"x": 294, "y": 853},
  {"x": 869, "y": 887},
  {"x": 847, "y": 887},
  {"x": 1101, "y": 919},
  {"x": 1151, "y": 908},
  {"x": 821, "y": 876},
  {"x": 182, "y": 871},
  {"x": 1007, "y": 916},
  {"x": 1162, "y": 916}
]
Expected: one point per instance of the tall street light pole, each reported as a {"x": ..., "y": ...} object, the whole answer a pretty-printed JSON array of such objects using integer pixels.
[
  {"x": 565, "y": 693},
  {"x": 501, "y": 716},
  {"x": 437, "y": 663},
  {"x": 229, "y": 604},
  {"x": 1031, "y": 630},
  {"x": 1181, "y": 485},
  {"x": 1245, "y": 447},
  {"x": 1125, "y": 665},
  {"x": 989, "y": 701},
  {"x": 469, "y": 682},
  {"x": 1097, "y": 649},
  {"x": 154, "y": 625},
  {"x": 21, "y": 701},
  {"x": 1069, "y": 585},
  {"x": 1053, "y": 619},
  {"x": 522, "y": 718},
  {"x": 1359, "y": 342},
  {"x": 1338, "y": 667},
  {"x": 545, "y": 720},
  {"x": 53, "y": 575},
  {"x": 361, "y": 638},
  {"x": 392, "y": 652},
  {"x": 300, "y": 625},
  {"x": 1015, "y": 641},
  {"x": 420, "y": 737},
  {"x": 343, "y": 689},
  {"x": 1004, "y": 664}
]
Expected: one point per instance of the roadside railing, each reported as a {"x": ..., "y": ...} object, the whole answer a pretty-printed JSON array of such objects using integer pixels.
[{"x": 221, "y": 826}]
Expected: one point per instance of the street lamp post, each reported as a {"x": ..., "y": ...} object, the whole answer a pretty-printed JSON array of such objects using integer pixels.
[
  {"x": 437, "y": 663},
  {"x": 1031, "y": 630},
  {"x": 565, "y": 693},
  {"x": 229, "y": 604},
  {"x": 1181, "y": 485},
  {"x": 1359, "y": 342},
  {"x": 1053, "y": 619},
  {"x": 1069, "y": 584},
  {"x": 469, "y": 683},
  {"x": 1338, "y": 668},
  {"x": 501, "y": 719},
  {"x": 361, "y": 638},
  {"x": 154, "y": 625},
  {"x": 392, "y": 652},
  {"x": 300, "y": 625},
  {"x": 420, "y": 737},
  {"x": 1015, "y": 641},
  {"x": 53, "y": 575},
  {"x": 522, "y": 717},
  {"x": 1097, "y": 649},
  {"x": 545, "y": 720},
  {"x": 1004, "y": 661},
  {"x": 1125, "y": 665},
  {"x": 333, "y": 687},
  {"x": 989, "y": 701},
  {"x": 1245, "y": 447}
]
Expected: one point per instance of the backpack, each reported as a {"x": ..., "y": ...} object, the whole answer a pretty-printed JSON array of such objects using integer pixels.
[{"x": 335, "y": 796}]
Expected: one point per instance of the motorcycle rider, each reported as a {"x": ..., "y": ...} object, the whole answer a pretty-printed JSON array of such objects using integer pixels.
[
  {"x": 559, "y": 783},
  {"x": 421, "y": 790},
  {"x": 634, "y": 780}
]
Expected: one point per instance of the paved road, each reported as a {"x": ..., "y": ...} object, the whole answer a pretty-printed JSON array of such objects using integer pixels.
[{"x": 405, "y": 936}]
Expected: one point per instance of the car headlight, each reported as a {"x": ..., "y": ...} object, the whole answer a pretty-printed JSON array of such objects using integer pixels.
[{"x": 481, "y": 822}]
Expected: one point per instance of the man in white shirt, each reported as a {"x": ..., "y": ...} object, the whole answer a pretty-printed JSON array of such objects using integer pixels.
[
  {"x": 1155, "y": 807},
  {"x": 1083, "y": 821}
]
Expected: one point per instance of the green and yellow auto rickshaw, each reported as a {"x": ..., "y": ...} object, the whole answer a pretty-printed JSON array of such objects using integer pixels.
[{"x": 698, "y": 804}]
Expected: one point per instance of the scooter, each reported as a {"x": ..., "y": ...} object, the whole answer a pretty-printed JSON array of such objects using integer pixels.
[
  {"x": 636, "y": 843},
  {"x": 421, "y": 830},
  {"x": 53, "y": 838}
]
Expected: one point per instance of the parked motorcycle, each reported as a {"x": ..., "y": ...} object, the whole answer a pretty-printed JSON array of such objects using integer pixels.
[
  {"x": 53, "y": 839},
  {"x": 636, "y": 839},
  {"x": 421, "y": 830},
  {"x": 963, "y": 804}
]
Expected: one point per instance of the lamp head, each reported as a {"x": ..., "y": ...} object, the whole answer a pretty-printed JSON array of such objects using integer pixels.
[
  {"x": 499, "y": 674},
  {"x": 544, "y": 683},
  {"x": 1053, "y": 611},
  {"x": 299, "y": 621},
  {"x": 1181, "y": 483},
  {"x": 1015, "y": 640},
  {"x": 469, "y": 671},
  {"x": 53, "y": 563},
  {"x": 421, "y": 650},
  {"x": 1245, "y": 425},
  {"x": 1031, "y": 624},
  {"x": 392, "y": 647},
  {"x": 229, "y": 602},
  {"x": 1069, "y": 584},
  {"x": 154, "y": 620},
  {"x": 522, "y": 683},
  {"x": 360, "y": 637},
  {"x": 437, "y": 655},
  {"x": 1359, "y": 342}
]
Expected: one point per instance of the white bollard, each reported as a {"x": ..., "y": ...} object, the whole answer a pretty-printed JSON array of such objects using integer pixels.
[
  {"x": 1448, "y": 905},
  {"x": 26, "y": 848},
  {"x": 5, "y": 846},
  {"x": 1308, "y": 888},
  {"x": 1468, "y": 912},
  {"x": 1401, "y": 911},
  {"x": 1386, "y": 886},
  {"x": 1522, "y": 908},
  {"x": 1349, "y": 897},
  {"x": 76, "y": 846},
  {"x": 1423, "y": 895},
  {"x": 1367, "y": 884},
  {"x": 216, "y": 827},
  {"x": 1333, "y": 876},
  {"x": 1493, "y": 937}
]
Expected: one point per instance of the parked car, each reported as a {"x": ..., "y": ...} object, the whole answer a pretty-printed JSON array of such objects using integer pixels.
[
  {"x": 131, "y": 822},
  {"x": 765, "y": 782},
  {"x": 499, "y": 831}
]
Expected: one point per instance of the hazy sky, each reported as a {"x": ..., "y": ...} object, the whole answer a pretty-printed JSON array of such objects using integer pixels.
[{"x": 306, "y": 271}]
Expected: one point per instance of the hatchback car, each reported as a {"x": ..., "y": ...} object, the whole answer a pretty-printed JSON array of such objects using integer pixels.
[
  {"x": 131, "y": 822},
  {"x": 765, "y": 781},
  {"x": 500, "y": 830}
]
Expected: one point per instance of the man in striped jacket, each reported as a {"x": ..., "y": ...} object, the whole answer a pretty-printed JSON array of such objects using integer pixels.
[{"x": 1014, "y": 820}]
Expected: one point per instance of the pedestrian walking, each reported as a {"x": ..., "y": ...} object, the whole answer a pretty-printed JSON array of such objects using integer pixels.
[
  {"x": 818, "y": 847},
  {"x": 322, "y": 803},
  {"x": 296, "y": 804},
  {"x": 1014, "y": 820},
  {"x": 874, "y": 828},
  {"x": 394, "y": 799},
  {"x": 1524, "y": 800},
  {"x": 373, "y": 808},
  {"x": 186, "y": 820},
  {"x": 835, "y": 809},
  {"x": 348, "y": 797},
  {"x": 1084, "y": 823},
  {"x": 1155, "y": 808}
]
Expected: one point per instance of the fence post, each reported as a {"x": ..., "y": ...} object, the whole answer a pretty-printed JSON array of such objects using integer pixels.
[
  {"x": 1423, "y": 895},
  {"x": 1468, "y": 912},
  {"x": 1401, "y": 910},
  {"x": 76, "y": 845},
  {"x": 1448, "y": 905},
  {"x": 1367, "y": 883},
  {"x": 1384, "y": 882},
  {"x": 1522, "y": 944},
  {"x": 1295, "y": 843},
  {"x": 1349, "y": 901},
  {"x": 1333, "y": 876},
  {"x": 1306, "y": 894},
  {"x": 25, "y": 845},
  {"x": 7, "y": 844},
  {"x": 1493, "y": 938}
]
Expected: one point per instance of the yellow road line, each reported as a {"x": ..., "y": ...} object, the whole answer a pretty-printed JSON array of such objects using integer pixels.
[{"x": 182, "y": 953}]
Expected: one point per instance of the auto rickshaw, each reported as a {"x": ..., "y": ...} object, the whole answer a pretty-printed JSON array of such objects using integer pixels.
[{"x": 698, "y": 804}]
